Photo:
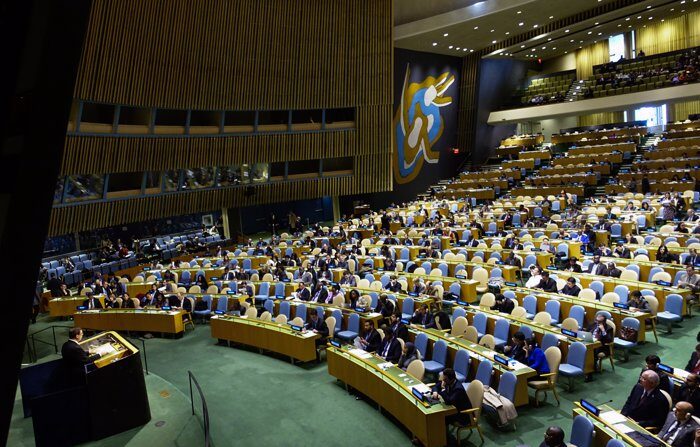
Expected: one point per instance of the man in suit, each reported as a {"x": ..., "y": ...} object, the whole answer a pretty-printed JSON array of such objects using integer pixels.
[
  {"x": 596, "y": 267},
  {"x": 390, "y": 349},
  {"x": 690, "y": 216},
  {"x": 397, "y": 327},
  {"x": 75, "y": 357},
  {"x": 452, "y": 393},
  {"x": 693, "y": 365},
  {"x": 573, "y": 265},
  {"x": 690, "y": 280},
  {"x": 613, "y": 271},
  {"x": 553, "y": 437},
  {"x": 321, "y": 293},
  {"x": 679, "y": 428},
  {"x": 512, "y": 260},
  {"x": 621, "y": 251},
  {"x": 91, "y": 302},
  {"x": 547, "y": 284},
  {"x": 302, "y": 292},
  {"x": 503, "y": 304},
  {"x": 692, "y": 258},
  {"x": 652, "y": 364},
  {"x": 370, "y": 340},
  {"x": 393, "y": 285},
  {"x": 689, "y": 391},
  {"x": 318, "y": 325},
  {"x": 605, "y": 334},
  {"x": 646, "y": 404},
  {"x": 603, "y": 250},
  {"x": 421, "y": 316}
]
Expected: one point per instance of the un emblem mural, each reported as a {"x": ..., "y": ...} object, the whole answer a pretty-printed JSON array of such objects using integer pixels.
[{"x": 418, "y": 124}]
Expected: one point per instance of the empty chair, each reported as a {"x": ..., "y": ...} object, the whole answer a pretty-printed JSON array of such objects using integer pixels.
[
  {"x": 461, "y": 365},
  {"x": 530, "y": 305},
  {"x": 416, "y": 369},
  {"x": 421, "y": 343},
  {"x": 507, "y": 385},
  {"x": 281, "y": 319},
  {"x": 553, "y": 307},
  {"x": 488, "y": 341},
  {"x": 285, "y": 309},
  {"x": 653, "y": 271},
  {"x": 548, "y": 381},
  {"x": 598, "y": 287},
  {"x": 301, "y": 312},
  {"x": 471, "y": 334},
  {"x": 587, "y": 294},
  {"x": 519, "y": 312},
  {"x": 252, "y": 313},
  {"x": 543, "y": 318},
  {"x": 672, "y": 312},
  {"x": 501, "y": 333},
  {"x": 481, "y": 275},
  {"x": 437, "y": 362},
  {"x": 487, "y": 300},
  {"x": 407, "y": 308},
  {"x": 338, "y": 318},
  {"x": 269, "y": 305},
  {"x": 263, "y": 292},
  {"x": 629, "y": 274},
  {"x": 581, "y": 432},
  {"x": 575, "y": 361},
  {"x": 610, "y": 298},
  {"x": 222, "y": 304},
  {"x": 548, "y": 341},
  {"x": 484, "y": 372},
  {"x": 578, "y": 313},
  {"x": 479, "y": 323},
  {"x": 353, "y": 329},
  {"x": 570, "y": 324},
  {"x": 459, "y": 327},
  {"x": 458, "y": 312},
  {"x": 626, "y": 345}
]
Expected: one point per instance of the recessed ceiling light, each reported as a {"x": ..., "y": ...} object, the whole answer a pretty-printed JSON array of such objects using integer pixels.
[
  {"x": 619, "y": 25},
  {"x": 519, "y": 12},
  {"x": 544, "y": 48},
  {"x": 522, "y": 46},
  {"x": 639, "y": 17},
  {"x": 554, "y": 48},
  {"x": 450, "y": 47},
  {"x": 471, "y": 51},
  {"x": 458, "y": 48},
  {"x": 493, "y": 41},
  {"x": 580, "y": 48},
  {"x": 627, "y": 19},
  {"x": 551, "y": 17},
  {"x": 600, "y": 34},
  {"x": 683, "y": 2},
  {"x": 434, "y": 44},
  {"x": 649, "y": 7},
  {"x": 534, "y": 26},
  {"x": 566, "y": 52},
  {"x": 580, "y": 41},
  {"x": 597, "y": 23},
  {"x": 464, "y": 49},
  {"x": 533, "y": 49},
  {"x": 571, "y": 40},
  {"x": 446, "y": 34},
  {"x": 476, "y": 27},
  {"x": 566, "y": 31},
  {"x": 650, "y": 17},
  {"x": 507, "y": 33},
  {"x": 673, "y": 9},
  {"x": 493, "y": 30},
  {"x": 663, "y": 20},
  {"x": 521, "y": 24},
  {"x": 590, "y": 32},
  {"x": 549, "y": 40}
]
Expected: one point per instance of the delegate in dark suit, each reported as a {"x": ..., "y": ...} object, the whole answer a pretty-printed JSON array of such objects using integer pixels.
[
  {"x": 320, "y": 327},
  {"x": 92, "y": 303},
  {"x": 390, "y": 349},
  {"x": 647, "y": 411},
  {"x": 679, "y": 434},
  {"x": 75, "y": 358}
]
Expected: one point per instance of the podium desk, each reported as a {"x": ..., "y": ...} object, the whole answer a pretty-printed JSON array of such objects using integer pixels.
[
  {"x": 67, "y": 306},
  {"x": 391, "y": 388}
]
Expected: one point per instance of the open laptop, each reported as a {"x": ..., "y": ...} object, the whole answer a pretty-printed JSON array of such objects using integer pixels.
[{"x": 585, "y": 336}]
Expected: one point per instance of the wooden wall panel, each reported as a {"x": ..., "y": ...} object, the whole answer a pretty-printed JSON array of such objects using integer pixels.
[
  {"x": 238, "y": 54},
  {"x": 99, "y": 215},
  {"x": 233, "y": 55}
]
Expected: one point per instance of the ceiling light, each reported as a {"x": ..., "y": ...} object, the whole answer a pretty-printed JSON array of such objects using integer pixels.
[
  {"x": 566, "y": 31},
  {"x": 493, "y": 30},
  {"x": 534, "y": 26},
  {"x": 566, "y": 52},
  {"x": 434, "y": 44},
  {"x": 549, "y": 40},
  {"x": 663, "y": 20},
  {"x": 580, "y": 48},
  {"x": 521, "y": 24},
  {"x": 554, "y": 48},
  {"x": 522, "y": 46},
  {"x": 597, "y": 23},
  {"x": 471, "y": 51},
  {"x": 580, "y": 41},
  {"x": 619, "y": 25},
  {"x": 519, "y": 12},
  {"x": 571, "y": 40},
  {"x": 450, "y": 47},
  {"x": 458, "y": 48},
  {"x": 464, "y": 49},
  {"x": 649, "y": 7},
  {"x": 673, "y": 9},
  {"x": 493, "y": 41},
  {"x": 476, "y": 27},
  {"x": 533, "y": 49},
  {"x": 650, "y": 17},
  {"x": 627, "y": 19},
  {"x": 683, "y": 2},
  {"x": 507, "y": 33},
  {"x": 551, "y": 17},
  {"x": 544, "y": 48},
  {"x": 590, "y": 32},
  {"x": 639, "y": 17}
]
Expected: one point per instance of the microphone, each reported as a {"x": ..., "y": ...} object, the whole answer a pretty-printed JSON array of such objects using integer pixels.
[{"x": 604, "y": 403}]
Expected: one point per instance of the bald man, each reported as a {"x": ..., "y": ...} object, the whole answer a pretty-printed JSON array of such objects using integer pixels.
[
  {"x": 679, "y": 429},
  {"x": 646, "y": 403},
  {"x": 553, "y": 437}
]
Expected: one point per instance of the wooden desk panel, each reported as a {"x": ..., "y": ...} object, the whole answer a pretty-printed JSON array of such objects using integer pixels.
[{"x": 169, "y": 322}]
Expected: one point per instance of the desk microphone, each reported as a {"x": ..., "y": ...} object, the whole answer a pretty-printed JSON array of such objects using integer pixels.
[{"x": 604, "y": 403}]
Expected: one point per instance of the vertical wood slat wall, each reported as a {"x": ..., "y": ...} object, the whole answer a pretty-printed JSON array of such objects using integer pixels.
[{"x": 234, "y": 55}]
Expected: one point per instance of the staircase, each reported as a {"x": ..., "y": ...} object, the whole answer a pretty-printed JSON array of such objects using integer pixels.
[{"x": 573, "y": 92}]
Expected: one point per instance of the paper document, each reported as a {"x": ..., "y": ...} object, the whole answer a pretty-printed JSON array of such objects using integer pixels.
[
  {"x": 308, "y": 334},
  {"x": 612, "y": 417},
  {"x": 622, "y": 428},
  {"x": 102, "y": 349},
  {"x": 385, "y": 366},
  {"x": 360, "y": 353}
]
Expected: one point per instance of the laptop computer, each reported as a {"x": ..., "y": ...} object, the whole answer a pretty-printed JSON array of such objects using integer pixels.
[{"x": 585, "y": 336}]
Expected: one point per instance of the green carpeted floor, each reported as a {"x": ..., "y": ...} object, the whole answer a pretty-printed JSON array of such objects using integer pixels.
[{"x": 261, "y": 400}]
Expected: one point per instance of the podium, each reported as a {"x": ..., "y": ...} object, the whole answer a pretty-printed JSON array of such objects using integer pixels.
[{"x": 109, "y": 399}]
